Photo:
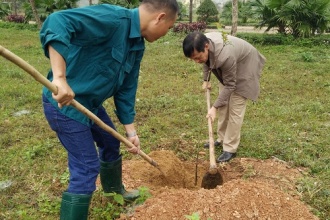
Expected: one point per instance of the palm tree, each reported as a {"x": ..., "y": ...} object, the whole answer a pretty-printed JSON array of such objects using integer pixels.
[
  {"x": 306, "y": 17},
  {"x": 267, "y": 12},
  {"x": 301, "y": 18}
]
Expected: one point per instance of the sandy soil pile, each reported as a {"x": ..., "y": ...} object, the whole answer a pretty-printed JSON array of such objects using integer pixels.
[{"x": 252, "y": 189}]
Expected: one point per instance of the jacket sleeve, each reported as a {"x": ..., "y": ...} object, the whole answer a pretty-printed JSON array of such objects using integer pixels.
[{"x": 125, "y": 98}]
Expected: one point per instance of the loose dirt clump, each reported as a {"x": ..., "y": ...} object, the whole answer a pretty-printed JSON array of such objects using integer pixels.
[{"x": 252, "y": 189}]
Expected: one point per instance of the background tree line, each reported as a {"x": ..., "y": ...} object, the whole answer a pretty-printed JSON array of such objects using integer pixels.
[{"x": 300, "y": 18}]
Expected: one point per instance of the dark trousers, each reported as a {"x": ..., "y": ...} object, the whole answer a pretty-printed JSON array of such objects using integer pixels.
[{"x": 79, "y": 141}]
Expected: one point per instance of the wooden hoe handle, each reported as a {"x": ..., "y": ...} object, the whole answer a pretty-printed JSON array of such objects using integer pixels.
[
  {"x": 213, "y": 165},
  {"x": 44, "y": 81}
]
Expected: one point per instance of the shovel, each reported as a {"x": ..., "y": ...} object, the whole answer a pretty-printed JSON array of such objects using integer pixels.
[
  {"x": 44, "y": 81},
  {"x": 212, "y": 178}
]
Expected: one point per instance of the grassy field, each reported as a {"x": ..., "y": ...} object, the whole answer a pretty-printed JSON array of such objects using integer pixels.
[{"x": 290, "y": 121}]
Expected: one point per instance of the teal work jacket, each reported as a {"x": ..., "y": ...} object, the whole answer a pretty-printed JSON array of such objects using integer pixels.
[{"x": 103, "y": 48}]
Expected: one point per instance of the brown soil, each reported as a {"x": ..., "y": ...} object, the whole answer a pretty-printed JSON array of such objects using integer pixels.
[{"x": 252, "y": 189}]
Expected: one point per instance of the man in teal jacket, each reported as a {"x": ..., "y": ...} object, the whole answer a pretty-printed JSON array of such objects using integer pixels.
[{"x": 95, "y": 53}]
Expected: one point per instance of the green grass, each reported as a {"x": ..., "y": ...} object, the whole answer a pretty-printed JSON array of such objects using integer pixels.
[{"x": 291, "y": 120}]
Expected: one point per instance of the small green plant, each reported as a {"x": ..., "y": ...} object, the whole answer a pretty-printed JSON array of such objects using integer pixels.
[
  {"x": 144, "y": 195},
  {"x": 115, "y": 204},
  {"x": 307, "y": 57},
  {"x": 107, "y": 206},
  {"x": 35, "y": 151},
  {"x": 48, "y": 205},
  {"x": 249, "y": 172},
  {"x": 64, "y": 178},
  {"x": 22, "y": 214},
  {"x": 310, "y": 188},
  {"x": 109, "y": 212},
  {"x": 117, "y": 198},
  {"x": 194, "y": 216}
]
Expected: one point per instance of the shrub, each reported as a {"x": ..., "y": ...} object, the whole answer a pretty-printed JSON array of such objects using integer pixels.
[
  {"x": 189, "y": 27},
  {"x": 16, "y": 18},
  {"x": 318, "y": 40},
  {"x": 4, "y": 9},
  {"x": 208, "y": 19},
  {"x": 212, "y": 27},
  {"x": 267, "y": 39},
  {"x": 280, "y": 39},
  {"x": 18, "y": 26},
  {"x": 207, "y": 11}
]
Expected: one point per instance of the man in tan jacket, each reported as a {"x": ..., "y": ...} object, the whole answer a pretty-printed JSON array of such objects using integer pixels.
[{"x": 238, "y": 66}]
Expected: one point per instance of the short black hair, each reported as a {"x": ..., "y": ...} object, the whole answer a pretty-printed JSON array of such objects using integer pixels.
[
  {"x": 169, "y": 5},
  {"x": 194, "y": 41}
]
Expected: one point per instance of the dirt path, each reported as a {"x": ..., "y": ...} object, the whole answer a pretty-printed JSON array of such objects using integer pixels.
[{"x": 246, "y": 29}]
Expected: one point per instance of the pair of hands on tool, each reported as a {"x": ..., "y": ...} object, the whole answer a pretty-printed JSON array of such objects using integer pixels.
[
  {"x": 212, "y": 112},
  {"x": 65, "y": 94},
  {"x": 136, "y": 141}
]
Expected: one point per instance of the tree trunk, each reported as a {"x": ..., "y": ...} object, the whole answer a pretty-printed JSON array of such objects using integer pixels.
[
  {"x": 234, "y": 17},
  {"x": 14, "y": 5},
  {"x": 190, "y": 10},
  {"x": 90, "y": 2},
  {"x": 35, "y": 13}
]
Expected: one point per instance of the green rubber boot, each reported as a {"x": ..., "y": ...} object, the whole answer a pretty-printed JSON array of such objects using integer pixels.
[
  {"x": 74, "y": 206},
  {"x": 111, "y": 180}
]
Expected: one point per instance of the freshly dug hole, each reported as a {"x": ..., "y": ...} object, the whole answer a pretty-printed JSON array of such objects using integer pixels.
[
  {"x": 175, "y": 174},
  {"x": 252, "y": 189}
]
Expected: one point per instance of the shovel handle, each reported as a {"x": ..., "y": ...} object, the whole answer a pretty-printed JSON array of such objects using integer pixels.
[
  {"x": 44, "y": 81},
  {"x": 213, "y": 164}
]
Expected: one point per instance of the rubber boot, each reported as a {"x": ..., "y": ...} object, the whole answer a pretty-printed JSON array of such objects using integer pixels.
[
  {"x": 111, "y": 180},
  {"x": 74, "y": 206}
]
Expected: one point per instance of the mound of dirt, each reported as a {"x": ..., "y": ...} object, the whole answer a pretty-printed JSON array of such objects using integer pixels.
[{"x": 252, "y": 189}]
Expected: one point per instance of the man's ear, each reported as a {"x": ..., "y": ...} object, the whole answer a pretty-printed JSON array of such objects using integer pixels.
[
  {"x": 206, "y": 47},
  {"x": 160, "y": 16}
]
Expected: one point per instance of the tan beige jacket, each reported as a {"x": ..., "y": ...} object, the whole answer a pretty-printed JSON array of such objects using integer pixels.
[{"x": 236, "y": 64}]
